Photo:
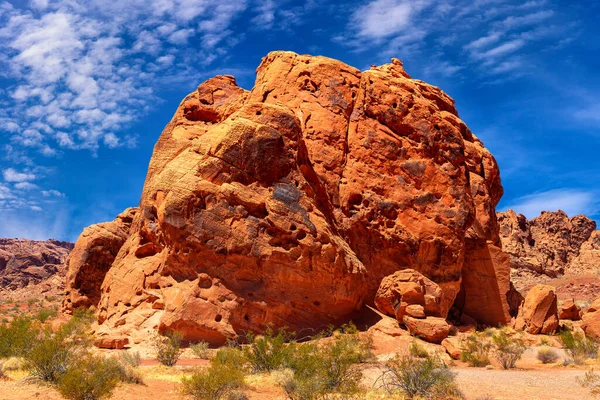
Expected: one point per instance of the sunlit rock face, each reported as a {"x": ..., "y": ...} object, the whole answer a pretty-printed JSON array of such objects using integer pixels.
[{"x": 288, "y": 204}]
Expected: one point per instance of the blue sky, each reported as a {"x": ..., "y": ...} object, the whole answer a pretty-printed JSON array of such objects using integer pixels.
[{"x": 86, "y": 87}]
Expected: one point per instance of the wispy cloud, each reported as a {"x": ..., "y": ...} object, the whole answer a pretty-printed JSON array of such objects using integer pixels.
[
  {"x": 571, "y": 201},
  {"x": 12, "y": 175}
]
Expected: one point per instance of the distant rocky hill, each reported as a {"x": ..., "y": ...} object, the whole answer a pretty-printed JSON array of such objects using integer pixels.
[
  {"x": 29, "y": 262},
  {"x": 552, "y": 244}
]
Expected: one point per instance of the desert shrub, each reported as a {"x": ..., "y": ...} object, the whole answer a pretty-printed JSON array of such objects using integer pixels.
[
  {"x": 475, "y": 350},
  {"x": 201, "y": 350},
  {"x": 578, "y": 347},
  {"x": 14, "y": 364},
  {"x": 507, "y": 350},
  {"x": 547, "y": 355},
  {"x": 270, "y": 351},
  {"x": 131, "y": 358},
  {"x": 221, "y": 380},
  {"x": 51, "y": 354},
  {"x": 16, "y": 337},
  {"x": 45, "y": 314},
  {"x": 419, "y": 377},
  {"x": 320, "y": 370},
  {"x": 417, "y": 350},
  {"x": 168, "y": 348},
  {"x": 91, "y": 378},
  {"x": 591, "y": 380}
]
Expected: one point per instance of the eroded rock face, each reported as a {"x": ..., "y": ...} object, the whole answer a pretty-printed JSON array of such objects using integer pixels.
[
  {"x": 539, "y": 312},
  {"x": 570, "y": 310},
  {"x": 91, "y": 258},
  {"x": 552, "y": 244},
  {"x": 288, "y": 204},
  {"x": 24, "y": 262}
]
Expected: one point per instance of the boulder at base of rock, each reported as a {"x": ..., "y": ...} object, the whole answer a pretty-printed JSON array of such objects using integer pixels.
[
  {"x": 452, "y": 347},
  {"x": 591, "y": 325},
  {"x": 405, "y": 288},
  {"x": 539, "y": 312},
  {"x": 109, "y": 342},
  {"x": 570, "y": 310},
  {"x": 431, "y": 329}
]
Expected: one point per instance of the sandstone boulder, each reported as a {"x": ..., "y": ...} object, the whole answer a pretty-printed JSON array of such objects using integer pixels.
[
  {"x": 288, "y": 204},
  {"x": 539, "y": 312},
  {"x": 405, "y": 288},
  {"x": 452, "y": 346},
  {"x": 570, "y": 310},
  {"x": 431, "y": 329},
  {"x": 111, "y": 342},
  {"x": 590, "y": 324},
  {"x": 91, "y": 258}
]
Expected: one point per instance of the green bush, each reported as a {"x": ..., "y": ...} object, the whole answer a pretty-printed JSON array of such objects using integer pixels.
[
  {"x": 221, "y": 380},
  {"x": 268, "y": 352},
  {"x": 417, "y": 350},
  {"x": 507, "y": 350},
  {"x": 426, "y": 377},
  {"x": 475, "y": 350},
  {"x": 14, "y": 364},
  {"x": 320, "y": 370},
  {"x": 201, "y": 350},
  {"x": 16, "y": 337},
  {"x": 168, "y": 348},
  {"x": 91, "y": 378},
  {"x": 578, "y": 347},
  {"x": 131, "y": 358},
  {"x": 547, "y": 355},
  {"x": 51, "y": 354},
  {"x": 45, "y": 314}
]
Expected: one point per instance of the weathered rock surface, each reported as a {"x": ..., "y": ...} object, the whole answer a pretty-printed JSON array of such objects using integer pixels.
[
  {"x": 29, "y": 262},
  {"x": 570, "y": 310},
  {"x": 552, "y": 244},
  {"x": 452, "y": 346},
  {"x": 91, "y": 258},
  {"x": 539, "y": 312},
  {"x": 288, "y": 204},
  {"x": 431, "y": 329},
  {"x": 408, "y": 287}
]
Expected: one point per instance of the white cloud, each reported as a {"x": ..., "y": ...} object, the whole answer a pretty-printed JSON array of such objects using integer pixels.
[
  {"x": 11, "y": 175},
  {"x": 52, "y": 193},
  {"x": 571, "y": 201},
  {"x": 513, "y": 22},
  {"x": 25, "y": 186},
  {"x": 383, "y": 18}
]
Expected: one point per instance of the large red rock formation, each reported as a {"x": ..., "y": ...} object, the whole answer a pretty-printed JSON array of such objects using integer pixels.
[
  {"x": 288, "y": 204},
  {"x": 539, "y": 311},
  {"x": 28, "y": 262},
  {"x": 552, "y": 244}
]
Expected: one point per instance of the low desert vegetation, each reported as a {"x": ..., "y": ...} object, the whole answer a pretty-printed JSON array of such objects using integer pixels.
[
  {"x": 475, "y": 350},
  {"x": 168, "y": 348},
  {"x": 90, "y": 378},
  {"x": 201, "y": 351},
  {"x": 578, "y": 347},
  {"x": 547, "y": 355},
  {"x": 423, "y": 377},
  {"x": 591, "y": 380},
  {"x": 507, "y": 349},
  {"x": 502, "y": 344}
]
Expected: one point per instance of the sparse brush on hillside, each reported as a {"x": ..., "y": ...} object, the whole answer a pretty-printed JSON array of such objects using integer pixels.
[
  {"x": 45, "y": 314},
  {"x": 269, "y": 351},
  {"x": 17, "y": 336},
  {"x": 419, "y": 377},
  {"x": 200, "y": 349},
  {"x": 591, "y": 380}
]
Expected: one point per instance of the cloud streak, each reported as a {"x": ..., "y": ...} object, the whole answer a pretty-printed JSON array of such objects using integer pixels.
[{"x": 571, "y": 201}]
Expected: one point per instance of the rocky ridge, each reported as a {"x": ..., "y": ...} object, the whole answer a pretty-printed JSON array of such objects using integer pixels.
[{"x": 26, "y": 263}]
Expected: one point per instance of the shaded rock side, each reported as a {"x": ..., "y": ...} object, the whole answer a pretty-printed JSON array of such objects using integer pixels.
[
  {"x": 28, "y": 262},
  {"x": 288, "y": 204},
  {"x": 92, "y": 256},
  {"x": 552, "y": 244}
]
